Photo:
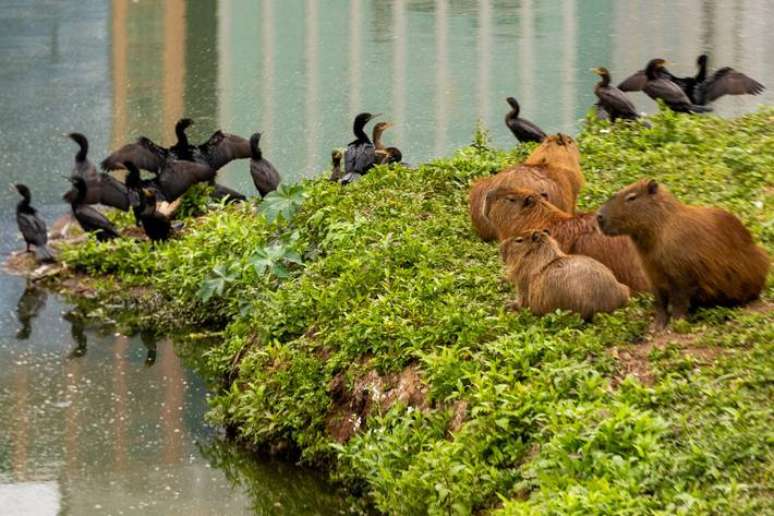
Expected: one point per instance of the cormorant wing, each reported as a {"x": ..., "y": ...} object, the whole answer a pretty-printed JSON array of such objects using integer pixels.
[
  {"x": 32, "y": 228},
  {"x": 265, "y": 176},
  {"x": 113, "y": 192},
  {"x": 666, "y": 90},
  {"x": 222, "y": 148},
  {"x": 634, "y": 82},
  {"x": 178, "y": 176},
  {"x": 92, "y": 220},
  {"x": 617, "y": 100},
  {"x": 146, "y": 155},
  {"x": 522, "y": 127},
  {"x": 728, "y": 81},
  {"x": 359, "y": 157}
]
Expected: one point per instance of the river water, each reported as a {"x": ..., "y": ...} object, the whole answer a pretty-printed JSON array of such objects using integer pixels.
[{"x": 95, "y": 428}]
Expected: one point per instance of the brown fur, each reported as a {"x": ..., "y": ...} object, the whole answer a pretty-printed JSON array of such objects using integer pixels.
[
  {"x": 552, "y": 169},
  {"x": 512, "y": 212},
  {"x": 694, "y": 256},
  {"x": 548, "y": 279}
]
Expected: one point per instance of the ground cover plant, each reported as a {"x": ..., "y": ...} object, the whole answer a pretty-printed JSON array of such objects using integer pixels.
[{"x": 364, "y": 331}]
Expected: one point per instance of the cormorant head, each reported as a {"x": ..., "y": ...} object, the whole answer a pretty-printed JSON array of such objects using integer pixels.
[
  {"x": 601, "y": 71},
  {"x": 23, "y": 190},
  {"x": 657, "y": 63},
  {"x": 513, "y": 103},
  {"x": 382, "y": 126},
  {"x": 82, "y": 142},
  {"x": 362, "y": 119},
  {"x": 78, "y": 138},
  {"x": 336, "y": 156},
  {"x": 184, "y": 123},
  {"x": 702, "y": 60}
]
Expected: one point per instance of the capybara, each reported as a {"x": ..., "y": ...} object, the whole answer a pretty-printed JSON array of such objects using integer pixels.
[
  {"x": 694, "y": 256},
  {"x": 548, "y": 279},
  {"x": 514, "y": 211},
  {"x": 553, "y": 169}
]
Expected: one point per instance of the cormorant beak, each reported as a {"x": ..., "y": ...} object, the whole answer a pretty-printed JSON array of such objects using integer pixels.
[{"x": 374, "y": 116}]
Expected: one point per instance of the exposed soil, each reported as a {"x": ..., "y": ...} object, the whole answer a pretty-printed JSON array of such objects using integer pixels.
[{"x": 371, "y": 392}]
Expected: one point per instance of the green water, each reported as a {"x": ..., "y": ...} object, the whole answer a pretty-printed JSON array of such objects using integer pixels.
[{"x": 94, "y": 429}]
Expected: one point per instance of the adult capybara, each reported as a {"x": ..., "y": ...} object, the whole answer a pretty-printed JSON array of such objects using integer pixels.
[
  {"x": 514, "y": 211},
  {"x": 553, "y": 169},
  {"x": 694, "y": 256},
  {"x": 548, "y": 279}
]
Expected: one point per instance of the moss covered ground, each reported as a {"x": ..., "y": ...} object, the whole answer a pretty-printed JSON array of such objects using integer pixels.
[{"x": 363, "y": 330}]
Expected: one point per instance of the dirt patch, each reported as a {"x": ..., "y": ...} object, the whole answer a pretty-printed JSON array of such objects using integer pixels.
[
  {"x": 460, "y": 411},
  {"x": 634, "y": 360},
  {"x": 371, "y": 392}
]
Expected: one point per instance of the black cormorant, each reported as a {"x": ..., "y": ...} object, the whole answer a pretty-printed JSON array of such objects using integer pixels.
[
  {"x": 182, "y": 149},
  {"x": 32, "y": 227},
  {"x": 659, "y": 87},
  {"x": 90, "y": 219},
  {"x": 155, "y": 224},
  {"x": 360, "y": 156},
  {"x": 612, "y": 100},
  {"x": 102, "y": 188},
  {"x": 522, "y": 129},
  {"x": 265, "y": 176}
]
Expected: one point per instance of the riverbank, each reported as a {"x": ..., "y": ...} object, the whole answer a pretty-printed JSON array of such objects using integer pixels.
[{"x": 364, "y": 330}]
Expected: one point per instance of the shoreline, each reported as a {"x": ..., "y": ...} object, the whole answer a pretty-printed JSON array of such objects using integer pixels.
[{"x": 387, "y": 356}]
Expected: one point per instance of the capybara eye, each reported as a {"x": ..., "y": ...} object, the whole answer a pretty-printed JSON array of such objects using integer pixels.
[
  {"x": 631, "y": 196},
  {"x": 511, "y": 199},
  {"x": 519, "y": 239}
]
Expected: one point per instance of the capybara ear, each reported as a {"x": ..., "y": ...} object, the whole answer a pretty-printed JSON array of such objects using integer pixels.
[
  {"x": 535, "y": 236},
  {"x": 652, "y": 186}
]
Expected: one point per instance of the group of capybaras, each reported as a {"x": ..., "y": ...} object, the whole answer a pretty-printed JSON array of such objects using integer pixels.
[{"x": 643, "y": 240}]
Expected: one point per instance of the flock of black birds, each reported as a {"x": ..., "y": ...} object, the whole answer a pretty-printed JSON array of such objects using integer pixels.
[
  {"x": 179, "y": 167},
  {"x": 690, "y": 94}
]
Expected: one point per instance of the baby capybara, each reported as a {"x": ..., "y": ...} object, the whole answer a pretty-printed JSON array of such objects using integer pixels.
[
  {"x": 694, "y": 256},
  {"x": 547, "y": 279},
  {"x": 514, "y": 211},
  {"x": 552, "y": 169}
]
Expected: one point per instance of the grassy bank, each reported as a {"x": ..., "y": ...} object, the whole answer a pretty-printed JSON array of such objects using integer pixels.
[{"x": 364, "y": 329}]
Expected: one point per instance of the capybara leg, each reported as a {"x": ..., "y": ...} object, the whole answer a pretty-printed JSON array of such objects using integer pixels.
[
  {"x": 28, "y": 247},
  {"x": 513, "y": 306},
  {"x": 662, "y": 309},
  {"x": 681, "y": 300}
]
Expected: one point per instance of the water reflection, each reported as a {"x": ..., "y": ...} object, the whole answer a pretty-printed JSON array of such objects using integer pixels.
[
  {"x": 31, "y": 302},
  {"x": 103, "y": 422}
]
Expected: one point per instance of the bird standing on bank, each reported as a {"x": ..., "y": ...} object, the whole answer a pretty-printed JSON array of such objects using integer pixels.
[
  {"x": 90, "y": 219},
  {"x": 360, "y": 156},
  {"x": 265, "y": 177},
  {"x": 613, "y": 100},
  {"x": 522, "y": 129},
  {"x": 102, "y": 188},
  {"x": 32, "y": 226},
  {"x": 658, "y": 87},
  {"x": 702, "y": 89}
]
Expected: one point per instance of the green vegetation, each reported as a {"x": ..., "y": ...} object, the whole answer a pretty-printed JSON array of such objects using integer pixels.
[{"x": 375, "y": 313}]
